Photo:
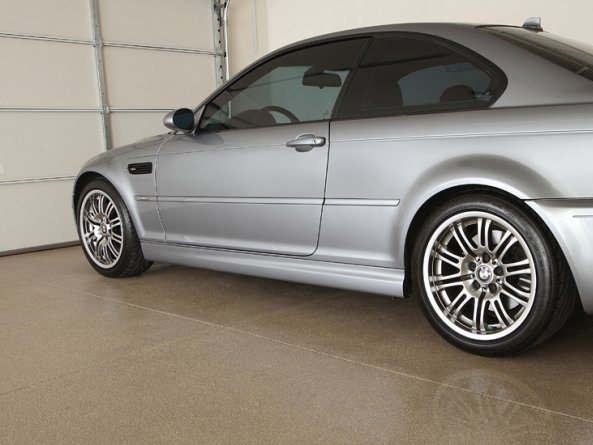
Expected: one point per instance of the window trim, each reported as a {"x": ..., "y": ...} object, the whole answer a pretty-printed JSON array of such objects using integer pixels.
[
  {"x": 250, "y": 69},
  {"x": 497, "y": 75}
]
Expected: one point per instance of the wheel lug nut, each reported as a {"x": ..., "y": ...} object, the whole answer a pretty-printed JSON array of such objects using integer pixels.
[
  {"x": 472, "y": 266},
  {"x": 486, "y": 258},
  {"x": 476, "y": 285},
  {"x": 498, "y": 270},
  {"x": 492, "y": 288}
]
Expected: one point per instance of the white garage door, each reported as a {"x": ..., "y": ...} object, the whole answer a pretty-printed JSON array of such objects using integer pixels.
[{"x": 78, "y": 77}]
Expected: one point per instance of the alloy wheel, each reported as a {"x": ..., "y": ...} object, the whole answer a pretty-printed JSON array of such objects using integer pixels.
[
  {"x": 479, "y": 275},
  {"x": 101, "y": 229}
]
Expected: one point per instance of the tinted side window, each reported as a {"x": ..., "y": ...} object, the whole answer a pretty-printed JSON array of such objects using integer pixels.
[
  {"x": 412, "y": 74},
  {"x": 301, "y": 86}
]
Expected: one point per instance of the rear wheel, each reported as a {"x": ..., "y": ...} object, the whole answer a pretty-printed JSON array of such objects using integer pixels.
[
  {"x": 107, "y": 233},
  {"x": 490, "y": 279}
]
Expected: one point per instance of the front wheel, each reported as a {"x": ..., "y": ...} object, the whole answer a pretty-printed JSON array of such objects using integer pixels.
[
  {"x": 107, "y": 233},
  {"x": 491, "y": 281}
]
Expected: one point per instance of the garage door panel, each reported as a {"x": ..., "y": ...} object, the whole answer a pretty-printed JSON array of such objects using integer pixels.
[
  {"x": 43, "y": 144},
  {"x": 47, "y": 74},
  {"x": 40, "y": 214},
  {"x": 131, "y": 127},
  {"x": 157, "y": 79},
  {"x": 57, "y": 18},
  {"x": 180, "y": 23},
  {"x": 59, "y": 79}
]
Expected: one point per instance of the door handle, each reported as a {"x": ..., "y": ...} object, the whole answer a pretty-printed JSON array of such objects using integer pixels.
[{"x": 306, "y": 142}]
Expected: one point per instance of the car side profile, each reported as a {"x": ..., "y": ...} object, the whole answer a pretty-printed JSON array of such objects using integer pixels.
[{"x": 449, "y": 161}]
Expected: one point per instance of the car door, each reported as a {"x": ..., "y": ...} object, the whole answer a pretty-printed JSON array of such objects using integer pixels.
[
  {"x": 252, "y": 176},
  {"x": 396, "y": 123}
]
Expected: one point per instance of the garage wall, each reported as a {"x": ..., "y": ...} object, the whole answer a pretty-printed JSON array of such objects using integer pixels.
[
  {"x": 281, "y": 22},
  {"x": 50, "y": 107}
]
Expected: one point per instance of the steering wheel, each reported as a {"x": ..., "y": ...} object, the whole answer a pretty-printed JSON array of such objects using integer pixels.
[{"x": 291, "y": 117}]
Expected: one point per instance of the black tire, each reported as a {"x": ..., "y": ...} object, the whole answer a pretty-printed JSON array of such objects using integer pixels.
[
  {"x": 544, "y": 296},
  {"x": 130, "y": 261}
]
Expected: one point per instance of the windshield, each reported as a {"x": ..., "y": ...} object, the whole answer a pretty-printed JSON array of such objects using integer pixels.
[{"x": 572, "y": 55}]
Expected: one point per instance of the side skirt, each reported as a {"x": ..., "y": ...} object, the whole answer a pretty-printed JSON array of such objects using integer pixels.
[{"x": 378, "y": 280}]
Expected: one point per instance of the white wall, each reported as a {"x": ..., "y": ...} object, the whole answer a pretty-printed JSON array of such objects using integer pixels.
[
  {"x": 287, "y": 21},
  {"x": 248, "y": 32}
]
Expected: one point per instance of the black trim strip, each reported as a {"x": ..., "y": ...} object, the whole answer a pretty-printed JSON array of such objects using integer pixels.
[{"x": 140, "y": 168}]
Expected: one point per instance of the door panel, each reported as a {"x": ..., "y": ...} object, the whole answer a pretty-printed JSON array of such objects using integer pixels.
[
  {"x": 236, "y": 184},
  {"x": 244, "y": 189}
]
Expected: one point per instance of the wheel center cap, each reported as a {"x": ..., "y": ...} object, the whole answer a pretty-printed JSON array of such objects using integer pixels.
[{"x": 484, "y": 273}]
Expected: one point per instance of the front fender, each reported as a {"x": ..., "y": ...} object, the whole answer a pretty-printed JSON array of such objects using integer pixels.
[{"x": 113, "y": 166}]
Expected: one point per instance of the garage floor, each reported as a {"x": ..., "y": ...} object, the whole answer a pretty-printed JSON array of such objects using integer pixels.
[{"x": 184, "y": 355}]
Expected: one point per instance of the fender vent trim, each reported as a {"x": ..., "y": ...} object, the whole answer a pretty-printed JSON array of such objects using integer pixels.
[{"x": 141, "y": 168}]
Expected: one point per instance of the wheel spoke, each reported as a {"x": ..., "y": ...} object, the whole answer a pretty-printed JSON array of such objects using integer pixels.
[
  {"x": 484, "y": 233},
  {"x": 494, "y": 309},
  {"x": 461, "y": 238},
  {"x": 501, "y": 310},
  {"x": 105, "y": 251},
  {"x": 91, "y": 218},
  {"x": 101, "y": 204},
  {"x": 478, "y": 317},
  {"x": 506, "y": 242},
  {"x": 517, "y": 295},
  {"x": 110, "y": 206},
  {"x": 526, "y": 271},
  {"x": 443, "y": 254},
  {"x": 112, "y": 249},
  {"x": 502, "y": 321},
  {"x": 517, "y": 268},
  {"x": 93, "y": 206},
  {"x": 458, "y": 304},
  {"x": 444, "y": 282}
]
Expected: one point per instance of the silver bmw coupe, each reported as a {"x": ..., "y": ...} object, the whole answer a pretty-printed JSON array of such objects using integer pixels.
[{"x": 449, "y": 161}]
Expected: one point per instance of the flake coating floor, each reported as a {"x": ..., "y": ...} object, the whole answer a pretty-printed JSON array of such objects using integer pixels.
[{"x": 183, "y": 355}]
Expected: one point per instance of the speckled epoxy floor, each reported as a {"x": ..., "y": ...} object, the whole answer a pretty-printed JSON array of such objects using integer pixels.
[{"x": 183, "y": 355}]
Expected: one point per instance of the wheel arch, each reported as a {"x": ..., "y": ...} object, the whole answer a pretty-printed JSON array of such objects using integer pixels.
[
  {"x": 445, "y": 195},
  {"x": 88, "y": 176},
  {"x": 82, "y": 180}
]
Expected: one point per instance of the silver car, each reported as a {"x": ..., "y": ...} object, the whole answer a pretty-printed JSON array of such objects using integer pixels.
[{"x": 449, "y": 161}]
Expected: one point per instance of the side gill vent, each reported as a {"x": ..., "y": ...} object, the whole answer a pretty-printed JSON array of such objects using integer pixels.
[{"x": 142, "y": 168}]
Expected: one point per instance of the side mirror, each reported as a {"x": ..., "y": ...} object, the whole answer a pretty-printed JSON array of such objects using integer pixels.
[{"x": 182, "y": 119}]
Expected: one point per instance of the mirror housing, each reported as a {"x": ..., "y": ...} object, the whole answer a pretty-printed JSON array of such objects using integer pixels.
[
  {"x": 321, "y": 79},
  {"x": 182, "y": 119}
]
